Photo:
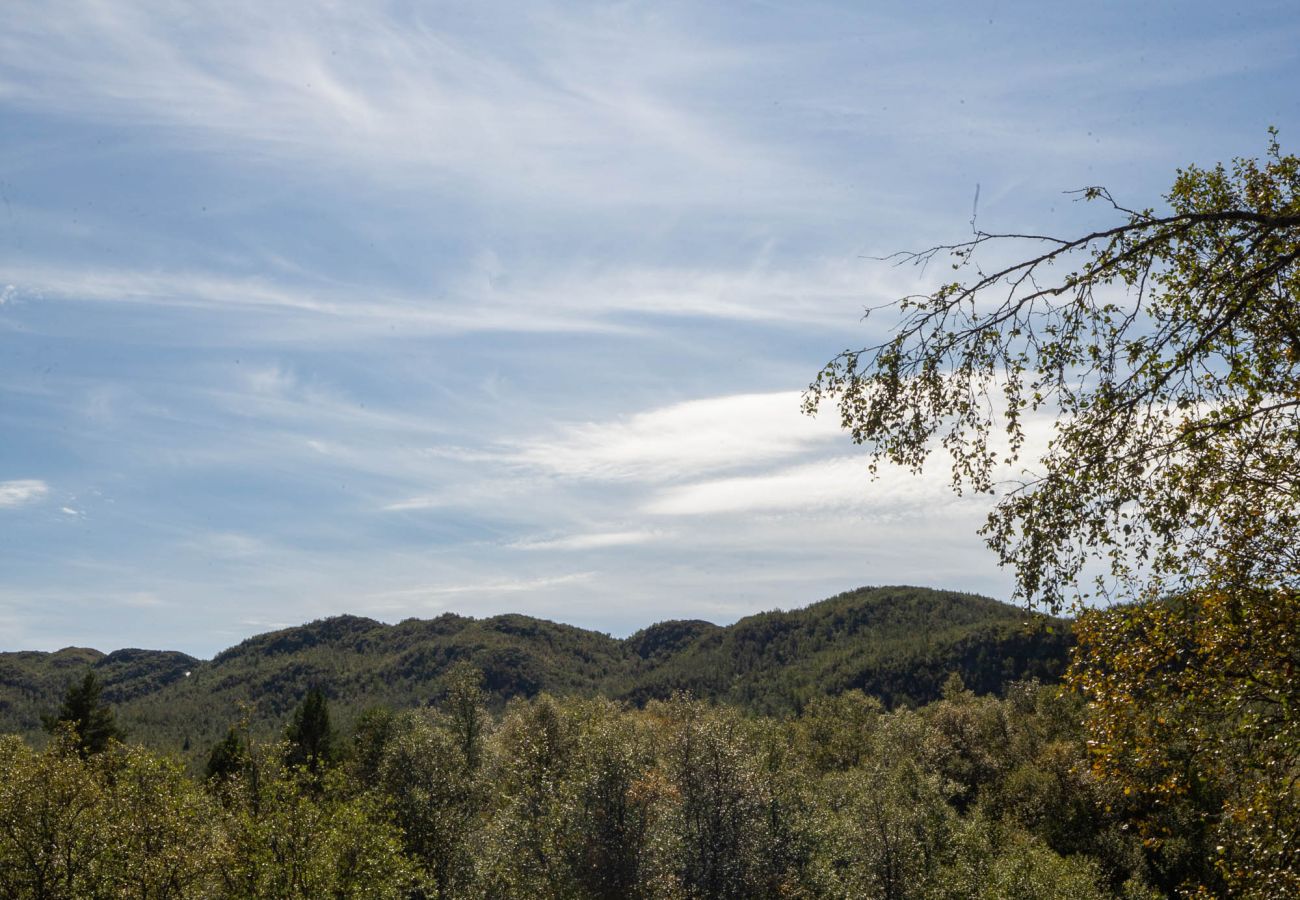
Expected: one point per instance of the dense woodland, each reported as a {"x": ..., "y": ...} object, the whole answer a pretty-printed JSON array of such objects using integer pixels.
[{"x": 572, "y": 797}]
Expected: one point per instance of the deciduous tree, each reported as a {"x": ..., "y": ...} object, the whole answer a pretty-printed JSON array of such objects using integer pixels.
[{"x": 1167, "y": 349}]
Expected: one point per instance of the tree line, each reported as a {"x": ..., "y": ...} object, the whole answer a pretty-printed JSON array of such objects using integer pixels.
[{"x": 589, "y": 798}]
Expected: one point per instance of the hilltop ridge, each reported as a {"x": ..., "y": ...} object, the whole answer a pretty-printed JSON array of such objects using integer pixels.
[{"x": 896, "y": 642}]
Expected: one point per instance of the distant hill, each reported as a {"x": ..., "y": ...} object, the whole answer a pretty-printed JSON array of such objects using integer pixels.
[
  {"x": 33, "y": 683},
  {"x": 898, "y": 643}
]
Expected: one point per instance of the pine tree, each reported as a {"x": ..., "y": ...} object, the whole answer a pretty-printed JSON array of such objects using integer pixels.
[
  {"x": 90, "y": 719},
  {"x": 310, "y": 735},
  {"x": 228, "y": 757}
]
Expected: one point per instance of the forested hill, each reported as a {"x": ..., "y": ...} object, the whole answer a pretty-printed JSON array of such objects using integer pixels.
[{"x": 898, "y": 643}]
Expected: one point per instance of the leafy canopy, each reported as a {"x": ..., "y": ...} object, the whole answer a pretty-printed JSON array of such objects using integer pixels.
[
  {"x": 1166, "y": 347},
  {"x": 1192, "y": 715}
]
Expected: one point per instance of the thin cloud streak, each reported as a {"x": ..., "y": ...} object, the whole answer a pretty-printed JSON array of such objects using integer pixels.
[
  {"x": 591, "y": 541},
  {"x": 575, "y": 299}
]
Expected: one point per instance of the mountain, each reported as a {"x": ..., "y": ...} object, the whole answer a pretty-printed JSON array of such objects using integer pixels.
[{"x": 898, "y": 643}]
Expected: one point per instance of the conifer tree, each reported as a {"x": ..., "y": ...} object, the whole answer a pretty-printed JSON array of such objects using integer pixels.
[
  {"x": 310, "y": 735},
  {"x": 228, "y": 757},
  {"x": 90, "y": 719}
]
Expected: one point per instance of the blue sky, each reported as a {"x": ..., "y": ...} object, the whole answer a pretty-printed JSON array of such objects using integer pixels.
[{"x": 398, "y": 309}]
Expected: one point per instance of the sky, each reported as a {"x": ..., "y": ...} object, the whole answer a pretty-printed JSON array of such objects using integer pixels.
[{"x": 398, "y": 309}]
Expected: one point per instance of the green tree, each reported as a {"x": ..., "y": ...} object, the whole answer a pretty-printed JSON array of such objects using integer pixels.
[
  {"x": 886, "y": 827},
  {"x": 297, "y": 834},
  {"x": 989, "y": 860},
  {"x": 310, "y": 734},
  {"x": 51, "y": 821},
  {"x": 577, "y": 796},
  {"x": 464, "y": 705},
  {"x": 228, "y": 758},
  {"x": 835, "y": 733},
  {"x": 532, "y": 772},
  {"x": 91, "y": 720},
  {"x": 718, "y": 830},
  {"x": 163, "y": 835},
  {"x": 370, "y": 735},
  {"x": 427, "y": 788}
]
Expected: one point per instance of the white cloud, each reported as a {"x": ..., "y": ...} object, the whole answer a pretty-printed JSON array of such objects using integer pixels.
[
  {"x": 412, "y": 504},
  {"x": 821, "y": 486},
  {"x": 141, "y": 600},
  {"x": 484, "y": 586},
  {"x": 816, "y": 292},
  {"x": 352, "y": 311},
  {"x": 270, "y": 380},
  {"x": 591, "y": 541},
  {"x": 228, "y": 545},
  {"x": 22, "y": 492},
  {"x": 686, "y": 439}
]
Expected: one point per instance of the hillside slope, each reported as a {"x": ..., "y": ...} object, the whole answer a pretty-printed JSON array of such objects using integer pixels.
[{"x": 898, "y": 643}]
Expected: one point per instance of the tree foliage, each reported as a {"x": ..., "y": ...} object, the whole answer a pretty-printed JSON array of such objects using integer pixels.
[
  {"x": 229, "y": 757},
  {"x": 1193, "y": 708},
  {"x": 587, "y": 798},
  {"x": 1166, "y": 347},
  {"x": 90, "y": 720},
  {"x": 310, "y": 735},
  {"x": 1166, "y": 352}
]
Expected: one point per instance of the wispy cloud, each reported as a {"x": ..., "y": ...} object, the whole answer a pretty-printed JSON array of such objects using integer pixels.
[
  {"x": 826, "y": 485},
  {"x": 22, "y": 492},
  {"x": 412, "y": 504},
  {"x": 685, "y": 439},
  {"x": 458, "y": 100},
  {"x": 485, "y": 586},
  {"x": 581, "y": 297},
  {"x": 353, "y": 311},
  {"x": 140, "y": 600},
  {"x": 596, "y": 540}
]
